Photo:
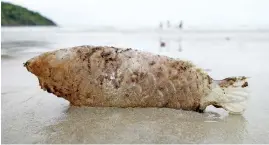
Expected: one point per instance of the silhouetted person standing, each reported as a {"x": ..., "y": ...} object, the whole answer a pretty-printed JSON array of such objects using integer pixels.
[
  {"x": 161, "y": 25},
  {"x": 181, "y": 25},
  {"x": 168, "y": 24}
]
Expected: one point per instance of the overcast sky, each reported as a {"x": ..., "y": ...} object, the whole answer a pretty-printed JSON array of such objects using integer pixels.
[{"x": 151, "y": 12}]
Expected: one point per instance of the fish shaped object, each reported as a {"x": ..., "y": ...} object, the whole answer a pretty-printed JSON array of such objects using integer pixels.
[{"x": 102, "y": 76}]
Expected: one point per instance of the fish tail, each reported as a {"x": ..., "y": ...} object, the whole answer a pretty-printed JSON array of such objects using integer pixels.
[{"x": 233, "y": 94}]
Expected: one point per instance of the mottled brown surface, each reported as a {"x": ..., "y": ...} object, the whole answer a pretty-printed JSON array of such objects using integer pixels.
[
  {"x": 109, "y": 76},
  {"x": 231, "y": 82}
]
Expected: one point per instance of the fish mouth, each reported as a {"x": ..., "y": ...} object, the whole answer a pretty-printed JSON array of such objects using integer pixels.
[
  {"x": 30, "y": 65},
  {"x": 26, "y": 64}
]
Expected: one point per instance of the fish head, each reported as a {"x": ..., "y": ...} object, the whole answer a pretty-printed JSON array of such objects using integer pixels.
[
  {"x": 39, "y": 65},
  {"x": 42, "y": 64}
]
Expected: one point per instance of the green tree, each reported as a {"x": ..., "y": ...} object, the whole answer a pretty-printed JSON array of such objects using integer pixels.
[{"x": 14, "y": 15}]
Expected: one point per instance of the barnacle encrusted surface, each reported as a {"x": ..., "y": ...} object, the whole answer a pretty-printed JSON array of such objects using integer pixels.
[{"x": 109, "y": 76}]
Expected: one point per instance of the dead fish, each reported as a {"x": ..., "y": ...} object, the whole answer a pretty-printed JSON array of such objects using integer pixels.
[{"x": 105, "y": 76}]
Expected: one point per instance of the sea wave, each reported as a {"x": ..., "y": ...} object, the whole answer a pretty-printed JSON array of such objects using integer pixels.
[
  {"x": 22, "y": 43},
  {"x": 14, "y": 48},
  {"x": 6, "y": 56}
]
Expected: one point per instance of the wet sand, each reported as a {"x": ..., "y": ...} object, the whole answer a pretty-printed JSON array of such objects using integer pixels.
[{"x": 30, "y": 115}]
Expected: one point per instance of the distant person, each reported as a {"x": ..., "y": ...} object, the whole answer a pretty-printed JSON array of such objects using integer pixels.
[
  {"x": 161, "y": 25},
  {"x": 181, "y": 25},
  {"x": 168, "y": 24}
]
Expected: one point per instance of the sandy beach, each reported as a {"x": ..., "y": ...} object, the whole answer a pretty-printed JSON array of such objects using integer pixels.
[{"x": 31, "y": 115}]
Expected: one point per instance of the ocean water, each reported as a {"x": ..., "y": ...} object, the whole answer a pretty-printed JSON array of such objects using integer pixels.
[{"x": 30, "y": 115}]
